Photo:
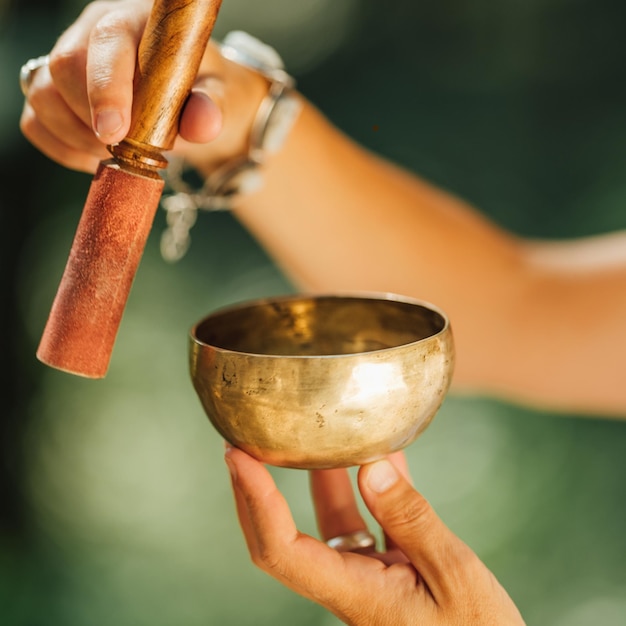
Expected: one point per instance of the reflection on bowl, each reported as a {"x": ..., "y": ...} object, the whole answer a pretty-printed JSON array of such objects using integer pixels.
[{"x": 321, "y": 381}]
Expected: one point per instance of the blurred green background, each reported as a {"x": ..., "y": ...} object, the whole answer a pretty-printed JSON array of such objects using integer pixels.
[{"x": 115, "y": 508}]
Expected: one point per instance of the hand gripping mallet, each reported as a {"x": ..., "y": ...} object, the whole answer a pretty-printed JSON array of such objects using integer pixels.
[{"x": 125, "y": 193}]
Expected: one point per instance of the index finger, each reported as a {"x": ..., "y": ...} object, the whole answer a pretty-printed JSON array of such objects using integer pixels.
[
  {"x": 93, "y": 66},
  {"x": 301, "y": 562}
]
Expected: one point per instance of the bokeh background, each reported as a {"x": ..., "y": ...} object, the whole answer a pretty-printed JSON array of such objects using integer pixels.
[{"x": 115, "y": 508}]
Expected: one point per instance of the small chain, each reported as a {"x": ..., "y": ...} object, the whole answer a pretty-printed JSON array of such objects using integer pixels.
[
  {"x": 181, "y": 216},
  {"x": 181, "y": 207}
]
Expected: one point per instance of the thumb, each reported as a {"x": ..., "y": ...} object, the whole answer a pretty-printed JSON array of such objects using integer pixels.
[
  {"x": 413, "y": 526},
  {"x": 201, "y": 119}
]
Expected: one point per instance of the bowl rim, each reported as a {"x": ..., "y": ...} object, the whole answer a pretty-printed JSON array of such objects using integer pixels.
[{"x": 307, "y": 295}]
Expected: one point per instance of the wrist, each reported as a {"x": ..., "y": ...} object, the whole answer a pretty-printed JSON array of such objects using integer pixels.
[
  {"x": 237, "y": 92},
  {"x": 252, "y": 90},
  {"x": 253, "y": 74}
]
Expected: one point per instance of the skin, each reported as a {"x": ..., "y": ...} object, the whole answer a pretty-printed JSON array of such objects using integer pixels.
[
  {"x": 423, "y": 575},
  {"x": 535, "y": 322}
]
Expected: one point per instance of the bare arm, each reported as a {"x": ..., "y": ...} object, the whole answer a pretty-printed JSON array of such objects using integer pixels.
[
  {"x": 535, "y": 322},
  {"x": 538, "y": 322}
]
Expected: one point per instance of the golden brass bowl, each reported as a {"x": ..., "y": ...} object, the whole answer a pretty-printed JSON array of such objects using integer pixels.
[{"x": 322, "y": 381}]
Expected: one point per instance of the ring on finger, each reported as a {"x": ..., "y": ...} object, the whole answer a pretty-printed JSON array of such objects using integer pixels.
[
  {"x": 28, "y": 70},
  {"x": 350, "y": 542}
]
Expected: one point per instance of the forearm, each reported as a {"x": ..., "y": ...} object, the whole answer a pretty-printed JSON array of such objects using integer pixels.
[
  {"x": 337, "y": 218},
  {"x": 528, "y": 323},
  {"x": 571, "y": 325}
]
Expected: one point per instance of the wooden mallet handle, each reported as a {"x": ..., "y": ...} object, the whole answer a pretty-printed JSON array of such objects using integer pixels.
[
  {"x": 124, "y": 195},
  {"x": 169, "y": 56}
]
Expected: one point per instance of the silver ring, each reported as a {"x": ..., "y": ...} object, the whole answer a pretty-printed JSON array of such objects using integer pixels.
[
  {"x": 358, "y": 540},
  {"x": 27, "y": 71}
]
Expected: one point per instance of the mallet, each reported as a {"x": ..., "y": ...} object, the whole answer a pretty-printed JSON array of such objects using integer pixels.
[{"x": 125, "y": 193}]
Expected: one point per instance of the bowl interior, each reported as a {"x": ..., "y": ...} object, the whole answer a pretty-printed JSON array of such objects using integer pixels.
[{"x": 319, "y": 326}]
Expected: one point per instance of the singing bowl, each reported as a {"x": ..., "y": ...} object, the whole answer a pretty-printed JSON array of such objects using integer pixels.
[{"x": 322, "y": 381}]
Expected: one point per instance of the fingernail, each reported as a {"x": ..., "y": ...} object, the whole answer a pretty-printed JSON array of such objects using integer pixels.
[
  {"x": 382, "y": 476},
  {"x": 229, "y": 463},
  {"x": 108, "y": 122}
]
